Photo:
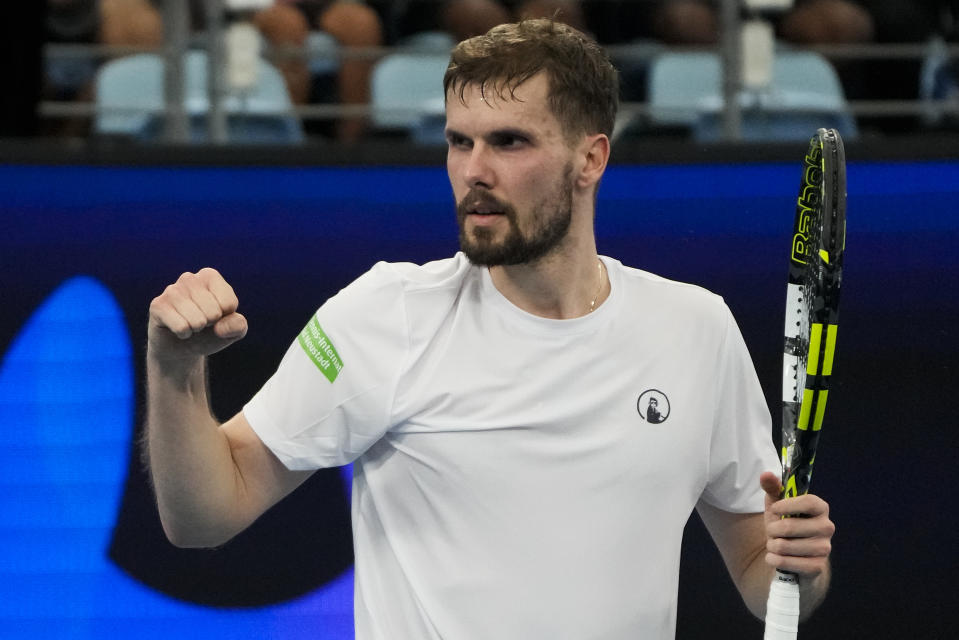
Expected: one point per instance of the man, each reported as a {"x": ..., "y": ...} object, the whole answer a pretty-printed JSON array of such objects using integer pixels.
[
  {"x": 505, "y": 485},
  {"x": 652, "y": 412}
]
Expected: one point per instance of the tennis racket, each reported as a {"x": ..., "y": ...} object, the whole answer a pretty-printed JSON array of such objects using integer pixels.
[{"x": 812, "y": 311}]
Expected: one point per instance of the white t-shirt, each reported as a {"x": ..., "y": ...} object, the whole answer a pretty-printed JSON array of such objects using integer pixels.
[{"x": 518, "y": 477}]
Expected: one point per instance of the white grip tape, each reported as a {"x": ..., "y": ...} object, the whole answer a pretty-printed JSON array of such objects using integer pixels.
[{"x": 782, "y": 608}]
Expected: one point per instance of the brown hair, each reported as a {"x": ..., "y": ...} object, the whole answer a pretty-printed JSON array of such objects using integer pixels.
[{"x": 583, "y": 84}]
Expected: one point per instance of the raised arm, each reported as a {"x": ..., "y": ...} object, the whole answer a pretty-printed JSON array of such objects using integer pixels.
[
  {"x": 211, "y": 480},
  {"x": 753, "y": 545}
]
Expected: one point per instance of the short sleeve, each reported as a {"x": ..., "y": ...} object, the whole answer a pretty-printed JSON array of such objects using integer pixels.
[
  {"x": 741, "y": 446},
  {"x": 331, "y": 396}
]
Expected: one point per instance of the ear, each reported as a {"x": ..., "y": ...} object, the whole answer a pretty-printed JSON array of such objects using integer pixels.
[{"x": 595, "y": 151}]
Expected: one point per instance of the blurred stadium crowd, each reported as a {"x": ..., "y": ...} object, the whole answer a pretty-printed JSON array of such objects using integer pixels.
[{"x": 896, "y": 62}]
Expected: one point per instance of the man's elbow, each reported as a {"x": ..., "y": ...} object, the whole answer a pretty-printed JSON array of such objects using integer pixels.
[{"x": 196, "y": 537}]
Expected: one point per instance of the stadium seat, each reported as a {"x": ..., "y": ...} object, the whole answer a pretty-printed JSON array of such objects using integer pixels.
[
  {"x": 428, "y": 42},
  {"x": 406, "y": 94},
  {"x": 685, "y": 92},
  {"x": 323, "y": 53},
  {"x": 939, "y": 86},
  {"x": 130, "y": 102}
]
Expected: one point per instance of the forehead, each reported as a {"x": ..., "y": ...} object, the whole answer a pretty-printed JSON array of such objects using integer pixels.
[{"x": 526, "y": 106}]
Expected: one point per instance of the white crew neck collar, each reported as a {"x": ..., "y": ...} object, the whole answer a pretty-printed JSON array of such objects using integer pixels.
[{"x": 538, "y": 324}]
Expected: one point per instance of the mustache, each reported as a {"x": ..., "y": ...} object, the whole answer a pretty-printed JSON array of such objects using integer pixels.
[{"x": 480, "y": 198}]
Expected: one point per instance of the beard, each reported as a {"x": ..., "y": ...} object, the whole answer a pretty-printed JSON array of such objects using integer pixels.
[{"x": 548, "y": 225}]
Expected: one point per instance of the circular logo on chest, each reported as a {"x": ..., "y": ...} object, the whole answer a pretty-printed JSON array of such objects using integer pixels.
[{"x": 653, "y": 406}]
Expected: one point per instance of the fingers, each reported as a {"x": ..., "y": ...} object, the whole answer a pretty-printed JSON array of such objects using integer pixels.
[
  {"x": 193, "y": 303},
  {"x": 771, "y": 485},
  {"x": 176, "y": 310},
  {"x": 805, "y": 555},
  {"x": 798, "y": 530},
  {"x": 220, "y": 290},
  {"x": 195, "y": 316},
  {"x": 799, "y": 552},
  {"x": 800, "y": 527},
  {"x": 232, "y": 327},
  {"x": 807, "y": 505},
  {"x": 805, "y": 567}
]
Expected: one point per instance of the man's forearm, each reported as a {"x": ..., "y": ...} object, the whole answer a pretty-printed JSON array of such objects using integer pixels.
[
  {"x": 755, "y": 581},
  {"x": 193, "y": 472},
  {"x": 754, "y": 588}
]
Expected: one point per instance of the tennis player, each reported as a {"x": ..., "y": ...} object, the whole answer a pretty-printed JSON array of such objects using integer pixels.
[{"x": 507, "y": 480}]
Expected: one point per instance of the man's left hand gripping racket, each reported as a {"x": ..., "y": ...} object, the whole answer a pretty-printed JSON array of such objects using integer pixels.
[{"x": 812, "y": 312}]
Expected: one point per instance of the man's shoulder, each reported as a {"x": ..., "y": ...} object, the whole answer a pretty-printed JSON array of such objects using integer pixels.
[
  {"x": 389, "y": 283},
  {"x": 645, "y": 287},
  {"x": 429, "y": 275}
]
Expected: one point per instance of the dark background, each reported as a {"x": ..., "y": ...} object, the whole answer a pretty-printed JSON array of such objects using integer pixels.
[{"x": 288, "y": 230}]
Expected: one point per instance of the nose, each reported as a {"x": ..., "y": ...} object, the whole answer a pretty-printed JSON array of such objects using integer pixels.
[{"x": 477, "y": 170}]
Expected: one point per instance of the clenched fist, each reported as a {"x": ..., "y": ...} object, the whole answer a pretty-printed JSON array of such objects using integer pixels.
[{"x": 194, "y": 317}]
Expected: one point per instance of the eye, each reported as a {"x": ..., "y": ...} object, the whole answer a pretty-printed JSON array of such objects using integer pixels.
[
  {"x": 508, "y": 140},
  {"x": 458, "y": 141}
]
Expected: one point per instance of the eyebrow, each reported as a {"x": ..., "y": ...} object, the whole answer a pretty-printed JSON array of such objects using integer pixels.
[
  {"x": 506, "y": 132},
  {"x": 453, "y": 133}
]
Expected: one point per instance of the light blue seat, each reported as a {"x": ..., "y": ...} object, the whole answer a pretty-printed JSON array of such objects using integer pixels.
[
  {"x": 685, "y": 91},
  {"x": 130, "y": 102},
  {"x": 323, "y": 53},
  {"x": 406, "y": 95},
  {"x": 939, "y": 86},
  {"x": 428, "y": 42}
]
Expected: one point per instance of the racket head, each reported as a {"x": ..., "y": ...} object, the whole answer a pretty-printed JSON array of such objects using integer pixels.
[{"x": 812, "y": 304}]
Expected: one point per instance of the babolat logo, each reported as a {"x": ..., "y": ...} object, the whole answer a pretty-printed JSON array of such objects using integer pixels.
[
  {"x": 320, "y": 350},
  {"x": 810, "y": 198}
]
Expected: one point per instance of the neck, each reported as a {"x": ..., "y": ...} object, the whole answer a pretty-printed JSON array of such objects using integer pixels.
[{"x": 558, "y": 287}]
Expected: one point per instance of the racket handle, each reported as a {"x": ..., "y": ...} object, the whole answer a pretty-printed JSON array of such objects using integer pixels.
[{"x": 782, "y": 607}]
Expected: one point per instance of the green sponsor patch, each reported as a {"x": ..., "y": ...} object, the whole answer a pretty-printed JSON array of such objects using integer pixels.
[{"x": 320, "y": 350}]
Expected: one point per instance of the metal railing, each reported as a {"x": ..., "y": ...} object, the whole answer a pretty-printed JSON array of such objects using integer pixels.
[{"x": 179, "y": 39}]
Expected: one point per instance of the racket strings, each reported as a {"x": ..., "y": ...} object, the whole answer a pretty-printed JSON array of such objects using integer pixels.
[{"x": 803, "y": 323}]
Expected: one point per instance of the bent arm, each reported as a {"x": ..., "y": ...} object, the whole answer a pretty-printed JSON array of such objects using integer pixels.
[
  {"x": 754, "y": 545},
  {"x": 741, "y": 541},
  {"x": 211, "y": 480}
]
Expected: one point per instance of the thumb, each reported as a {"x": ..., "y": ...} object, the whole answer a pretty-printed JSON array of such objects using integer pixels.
[
  {"x": 230, "y": 327},
  {"x": 772, "y": 485}
]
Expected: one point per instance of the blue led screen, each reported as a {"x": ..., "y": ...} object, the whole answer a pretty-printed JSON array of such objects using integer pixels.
[{"x": 83, "y": 249}]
